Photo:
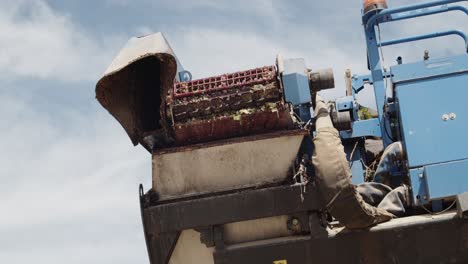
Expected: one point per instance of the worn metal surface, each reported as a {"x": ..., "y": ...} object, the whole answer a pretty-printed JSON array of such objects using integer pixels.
[
  {"x": 227, "y": 208},
  {"x": 246, "y": 215},
  {"x": 257, "y": 229},
  {"x": 438, "y": 239},
  {"x": 189, "y": 249},
  {"x": 134, "y": 87},
  {"x": 225, "y": 165},
  {"x": 267, "y": 118},
  {"x": 160, "y": 247},
  {"x": 419, "y": 239}
]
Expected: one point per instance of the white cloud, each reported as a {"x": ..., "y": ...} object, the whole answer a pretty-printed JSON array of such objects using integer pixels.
[
  {"x": 36, "y": 41},
  {"x": 206, "y": 52},
  {"x": 269, "y": 9},
  {"x": 68, "y": 188}
]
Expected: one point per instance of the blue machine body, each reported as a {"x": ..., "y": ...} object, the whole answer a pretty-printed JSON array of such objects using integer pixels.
[
  {"x": 432, "y": 109},
  {"x": 429, "y": 105},
  {"x": 433, "y": 116},
  {"x": 296, "y": 81},
  {"x": 427, "y": 112}
]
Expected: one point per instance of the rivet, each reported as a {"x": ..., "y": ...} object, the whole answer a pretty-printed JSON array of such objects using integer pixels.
[
  {"x": 452, "y": 116},
  {"x": 445, "y": 117}
]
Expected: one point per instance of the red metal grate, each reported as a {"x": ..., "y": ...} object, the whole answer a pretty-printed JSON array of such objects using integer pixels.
[{"x": 225, "y": 81}]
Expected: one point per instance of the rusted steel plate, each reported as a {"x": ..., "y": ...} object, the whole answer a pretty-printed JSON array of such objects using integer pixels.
[
  {"x": 229, "y": 105},
  {"x": 239, "y": 124}
]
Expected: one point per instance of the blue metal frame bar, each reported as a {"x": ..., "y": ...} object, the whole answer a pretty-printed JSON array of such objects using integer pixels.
[
  {"x": 419, "y": 10},
  {"x": 427, "y": 36},
  {"x": 425, "y": 12},
  {"x": 378, "y": 75},
  {"x": 363, "y": 128},
  {"x": 387, "y": 12}
]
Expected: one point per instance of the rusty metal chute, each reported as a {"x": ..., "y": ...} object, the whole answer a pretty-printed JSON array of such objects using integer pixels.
[{"x": 134, "y": 88}]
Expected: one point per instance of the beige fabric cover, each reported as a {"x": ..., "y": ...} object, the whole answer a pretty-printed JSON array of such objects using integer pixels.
[{"x": 334, "y": 177}]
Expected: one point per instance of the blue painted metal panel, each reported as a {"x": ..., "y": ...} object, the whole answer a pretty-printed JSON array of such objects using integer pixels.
[
  {"x": 363, "y": 128},
  {"x": 345, "y": 103},
  {"x": 447, "y": 179},
  {"x": 439, "y": 181},
  {"x": 423, "y": 105},
  {"x": 358, "y": 172},
  {"x": 429, "y": 68},
  {"x": 357, "y": 168},
  {"x": 359, "y": 81},
  {"x": 371, "y": 19},
  {"x": 419, "y": 186},
  {"x": 296, "y": 82}
]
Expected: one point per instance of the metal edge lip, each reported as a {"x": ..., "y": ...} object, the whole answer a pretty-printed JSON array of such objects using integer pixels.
[{"x": 296, "y": 132}]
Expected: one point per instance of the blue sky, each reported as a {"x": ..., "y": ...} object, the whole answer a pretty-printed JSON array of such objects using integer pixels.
[{"x": 69, "y": 174}]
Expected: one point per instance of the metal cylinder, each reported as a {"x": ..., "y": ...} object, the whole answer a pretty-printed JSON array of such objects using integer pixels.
[
  {"x": 341, "y": 120},
  {"x": 321, "y": 80}
]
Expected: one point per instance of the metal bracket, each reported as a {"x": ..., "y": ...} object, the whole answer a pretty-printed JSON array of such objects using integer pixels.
[{"x": 462, "y": 205}]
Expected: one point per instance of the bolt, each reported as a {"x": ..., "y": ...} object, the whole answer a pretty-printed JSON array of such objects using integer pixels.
[
  {"x": 399, "y": 60},
  {"x": 426, "y": 55},
  {"x": 452, "y": 116},
  {"x": 295, "y": 221}
]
